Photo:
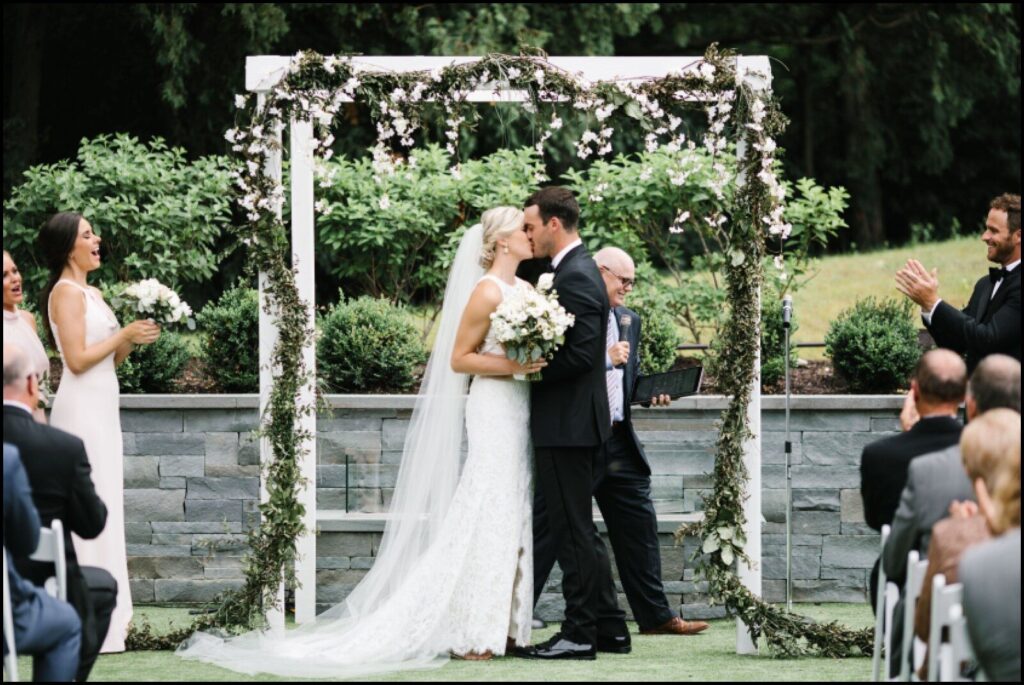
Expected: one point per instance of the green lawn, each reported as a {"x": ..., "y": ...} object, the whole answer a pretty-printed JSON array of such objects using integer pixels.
[
  {"x": 839, "y": 281},
  {"x": 842, "y": 280},
  {"x": 710, "y": 656}
]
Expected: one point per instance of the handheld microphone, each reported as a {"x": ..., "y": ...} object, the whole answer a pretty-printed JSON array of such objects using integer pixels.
[
  {"x": 625, "y": 321},
  {"x": 787, "y": 310}
]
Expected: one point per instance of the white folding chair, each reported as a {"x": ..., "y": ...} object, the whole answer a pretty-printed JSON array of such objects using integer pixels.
[
  {"x": 944, "y": 598},
  {"x": 11, "y": 659},
  {"x": 892, "y": 596},
  {"x": 957, "y": 650},
  {"x": 51, "y": 548},
  {"x": 912, "y": 650},
  {"x": 881, "y": 625}
]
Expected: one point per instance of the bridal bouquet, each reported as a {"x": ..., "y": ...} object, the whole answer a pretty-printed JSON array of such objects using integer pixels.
[
  {"x": 531, "y": 324},
  {"x": 151, "y": 299}
]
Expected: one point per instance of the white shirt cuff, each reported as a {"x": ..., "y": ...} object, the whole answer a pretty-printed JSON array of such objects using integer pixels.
[{"x": 927, "y": 316}]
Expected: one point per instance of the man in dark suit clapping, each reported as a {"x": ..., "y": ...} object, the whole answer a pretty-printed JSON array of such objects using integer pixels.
[
  {"x": 991, "y": 321},
  {"x": 62, "y": 488}
]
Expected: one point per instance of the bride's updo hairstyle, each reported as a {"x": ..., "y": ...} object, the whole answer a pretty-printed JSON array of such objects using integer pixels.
[{"x": 498, "y": 223}]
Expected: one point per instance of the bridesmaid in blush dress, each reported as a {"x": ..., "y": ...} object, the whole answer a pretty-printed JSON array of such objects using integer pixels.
[{"x": 91, "y": 344}]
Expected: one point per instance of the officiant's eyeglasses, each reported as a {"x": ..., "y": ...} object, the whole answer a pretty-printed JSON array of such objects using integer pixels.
[{"x": 627, "y": 283}]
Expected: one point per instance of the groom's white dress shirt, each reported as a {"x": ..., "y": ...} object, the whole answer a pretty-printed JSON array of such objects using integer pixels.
[{"x": 561, "y": 255}]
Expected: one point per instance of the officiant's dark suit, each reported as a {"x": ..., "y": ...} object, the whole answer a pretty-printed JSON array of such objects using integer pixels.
[
  {"x": 989, "y": 324},
  {"x": 622, "y": 487},
  {"x": 569, "y": 421},
  {"x": 62, "y": 488}
]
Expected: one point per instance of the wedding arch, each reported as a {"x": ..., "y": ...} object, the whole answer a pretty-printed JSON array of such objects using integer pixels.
[{"x": 308, "y": 90}]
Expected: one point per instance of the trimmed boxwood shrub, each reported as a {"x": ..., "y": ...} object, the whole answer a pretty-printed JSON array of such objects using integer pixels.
[
  {"x": 156, "y": 367},
  {"x": 873, "y": 345},
  {"x": 368, "y": 345},
  {"x": 231, "y": 344}
]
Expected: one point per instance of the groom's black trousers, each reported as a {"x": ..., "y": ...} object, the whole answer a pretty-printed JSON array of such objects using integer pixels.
[
  {"x": 622, "y": 489},
  {"x": 565, "y": 476}
]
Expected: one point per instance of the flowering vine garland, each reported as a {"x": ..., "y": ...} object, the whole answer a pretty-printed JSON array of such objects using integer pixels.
[{"x": 316, "y": 88}]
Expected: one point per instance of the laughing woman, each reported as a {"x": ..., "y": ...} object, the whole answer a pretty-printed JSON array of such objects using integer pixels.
[
  {"x": 91, "y": 343},
  {"x": 20, "y": 326}
]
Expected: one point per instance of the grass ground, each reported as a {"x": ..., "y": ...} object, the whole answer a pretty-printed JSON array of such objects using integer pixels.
[{"x": 710, "y": 656}]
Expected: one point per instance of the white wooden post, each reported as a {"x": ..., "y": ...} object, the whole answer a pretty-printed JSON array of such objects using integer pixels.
[
  {"x": 302, "y": 262},
  {"x": 755, "y": 72},
  {"x": 268, "y": 339}
]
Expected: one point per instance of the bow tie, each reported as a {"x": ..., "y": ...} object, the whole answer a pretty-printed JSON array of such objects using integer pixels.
[{"x": 996, "y": 275}]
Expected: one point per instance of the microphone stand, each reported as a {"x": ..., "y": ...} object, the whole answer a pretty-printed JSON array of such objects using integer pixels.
[{"x": 787, "y": 312}]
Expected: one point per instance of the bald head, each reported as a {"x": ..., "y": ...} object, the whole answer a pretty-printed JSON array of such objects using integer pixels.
[
  {"x": 17, "y": 369},
  {"x": 994, "y": 384},
  {"x": 618, "y": 272},
  {"x": 940, "y": 381}
]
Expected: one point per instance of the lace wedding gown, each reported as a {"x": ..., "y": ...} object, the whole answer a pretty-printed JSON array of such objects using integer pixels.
[
  {"x": 470, "y": 590},
  {"x": 87, "y": 405}
]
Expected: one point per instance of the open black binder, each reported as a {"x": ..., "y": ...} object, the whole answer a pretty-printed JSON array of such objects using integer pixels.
[{"x": 672, "y": 383}]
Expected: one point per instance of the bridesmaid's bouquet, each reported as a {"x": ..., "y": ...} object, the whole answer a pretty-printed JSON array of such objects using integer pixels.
[
  {"x": 151, "y": 299},
  {"x": 531, "y": 324}
]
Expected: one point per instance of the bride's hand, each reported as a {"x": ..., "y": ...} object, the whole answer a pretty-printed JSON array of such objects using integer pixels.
[{"x": 529, "y": 367}]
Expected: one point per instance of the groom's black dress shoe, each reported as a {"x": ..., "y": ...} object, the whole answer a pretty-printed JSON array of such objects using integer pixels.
[
  {"x": 559, "y": 647},
  {"x": 617, "y": 644}
]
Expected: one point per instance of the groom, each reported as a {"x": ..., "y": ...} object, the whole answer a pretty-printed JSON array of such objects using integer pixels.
[{"x": 569, "y": 418}]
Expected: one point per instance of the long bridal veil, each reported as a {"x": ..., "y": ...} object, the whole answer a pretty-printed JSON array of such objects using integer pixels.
[{"x": 359, "y": 636}]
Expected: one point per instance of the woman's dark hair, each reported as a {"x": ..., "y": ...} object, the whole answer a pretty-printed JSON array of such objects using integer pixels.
[
  {"x": 56, "y": 240},
  {"x": 556, "y": 201}
]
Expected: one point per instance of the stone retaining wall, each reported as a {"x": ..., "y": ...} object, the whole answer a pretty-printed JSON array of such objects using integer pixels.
[{"x": 191, "y": 491}]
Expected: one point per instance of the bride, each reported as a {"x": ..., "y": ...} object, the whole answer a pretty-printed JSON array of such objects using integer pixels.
[{"x": 454, "y": 573}]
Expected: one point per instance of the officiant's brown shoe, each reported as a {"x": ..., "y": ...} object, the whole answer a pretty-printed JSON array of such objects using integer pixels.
[{"x": 677, "y": 626}]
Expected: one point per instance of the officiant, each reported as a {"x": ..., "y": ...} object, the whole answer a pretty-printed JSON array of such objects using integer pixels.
[
  {"x": 622, "y": 489},
  {"x": 990, "y": 323}
]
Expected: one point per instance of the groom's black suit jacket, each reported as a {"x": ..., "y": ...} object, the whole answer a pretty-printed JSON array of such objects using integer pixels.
[
  {"x": 570, "y": 402},
  {"x": 987, "y": 325}
]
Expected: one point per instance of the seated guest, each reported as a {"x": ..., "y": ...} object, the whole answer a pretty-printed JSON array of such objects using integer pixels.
[
  {"x": 934, "y": 481},
  {"x": 990, "y": 446},
  {"x": 44, "y": 627},
  {"x": 62, "y": 488},
  {"x": 937, "y": 388},
  {"x": 990, "y": 572},
  {"x": 990, "y": 323}
]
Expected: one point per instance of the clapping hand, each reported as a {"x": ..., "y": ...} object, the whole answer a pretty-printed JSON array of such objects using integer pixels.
[
  {"x": 963, "y": 510},
  {"x": 914, "y": 281},
  {"x": 909, "y": 416}
]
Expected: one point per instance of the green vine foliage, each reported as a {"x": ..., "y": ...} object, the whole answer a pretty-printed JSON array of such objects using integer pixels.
[{"x": 401, "y": 103}]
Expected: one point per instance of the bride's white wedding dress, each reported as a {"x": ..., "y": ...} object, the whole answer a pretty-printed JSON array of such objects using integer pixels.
[{"x": 455, "y": 569}]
